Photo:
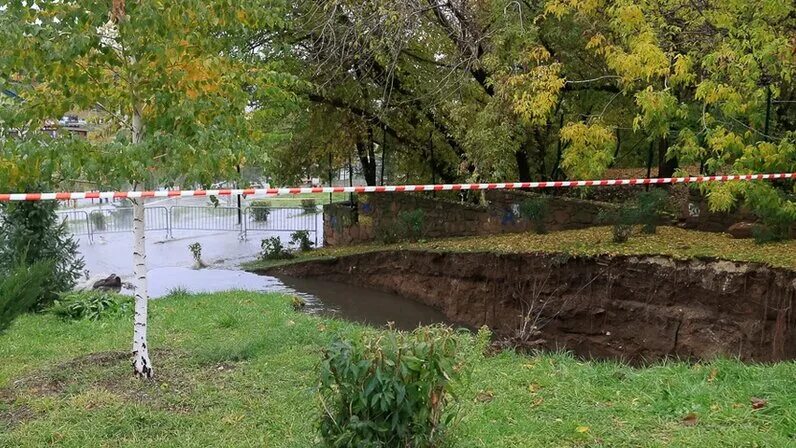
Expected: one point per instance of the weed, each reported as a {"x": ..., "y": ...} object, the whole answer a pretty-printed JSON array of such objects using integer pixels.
[
  {"x": 301, "y": 239},
  {"x": 261, "y": 210},
  {"x": 536, "y": 210},
  {"x": 93, "y": 305},
  {"x": 273, "y": 249}
]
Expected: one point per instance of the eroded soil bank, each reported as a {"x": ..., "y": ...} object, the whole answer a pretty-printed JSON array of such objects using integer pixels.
[{"x": 632, "y": 308}]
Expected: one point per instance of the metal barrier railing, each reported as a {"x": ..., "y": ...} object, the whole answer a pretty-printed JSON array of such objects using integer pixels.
[
  {"x": 280, "y": 219},
  {"x": 205, "y": 218},
  {"x": 244, "y": 220},
  {"x": 121, "y": 220},
  {"x": 77, "y": 222},
  {"x": 113, "y": 220}
]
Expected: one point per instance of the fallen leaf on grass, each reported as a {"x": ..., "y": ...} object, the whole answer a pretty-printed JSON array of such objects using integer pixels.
[
  {"x": 758, "y": 403},
  {"x": 582, "y": 429},
  {"x": 485, "y": 396},
  {"x": 691, "y": 419}
]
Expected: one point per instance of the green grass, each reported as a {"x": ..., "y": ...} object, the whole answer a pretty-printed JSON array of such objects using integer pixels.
[
  {"x": 669, "y": 241},
  {"x": 295, "y": 200},
  {"x": 238, "y": 369}
]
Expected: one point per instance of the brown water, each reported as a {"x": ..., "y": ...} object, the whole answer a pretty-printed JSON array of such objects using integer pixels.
[{"x": 322, "y": 297}]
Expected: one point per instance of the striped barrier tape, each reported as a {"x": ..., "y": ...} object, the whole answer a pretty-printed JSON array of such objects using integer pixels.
[{"x": 6, "y": 197}]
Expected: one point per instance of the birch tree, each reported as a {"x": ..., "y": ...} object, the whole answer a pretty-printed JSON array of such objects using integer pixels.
[{"x": 170, "y": 86}]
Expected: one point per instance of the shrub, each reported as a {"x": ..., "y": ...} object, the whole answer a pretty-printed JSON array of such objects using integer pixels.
[
  {"x": 273, "y": 249},
  {"x": 650, "y": 207},
  {"x": 20, "y": 290},
  {"x": 98, "y": 221},
  {"x": 31, "y": 232},
  {"x": 390, "y": 389},
  {"x": 196, "y": 253},
  {"x": 261, "y": 210},
  {"x": 646, "y": 210},
  {"x": 389, "y": 233},
  {"x": 301, "y": 239},
  {"x": 310, "y": 206},
  {"x": 91, "y": 305},
  {"x": 536, "y": 211},
  {"x": 622, "y": 219},
  {"x": 777, "y": 213},
  {"x": 412, "y": 223}
]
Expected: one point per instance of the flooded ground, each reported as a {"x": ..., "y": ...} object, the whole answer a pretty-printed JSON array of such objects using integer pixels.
[
  {"x": 353, "y": 303},
  {"x": 170, "y": 261}
]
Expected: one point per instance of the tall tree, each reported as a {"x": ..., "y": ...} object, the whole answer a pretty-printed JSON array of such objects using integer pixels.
[{"x": 173, "y": 79}]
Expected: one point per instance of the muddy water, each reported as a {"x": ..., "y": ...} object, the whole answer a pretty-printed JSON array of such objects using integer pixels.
[{"x": 322, "y": 297}]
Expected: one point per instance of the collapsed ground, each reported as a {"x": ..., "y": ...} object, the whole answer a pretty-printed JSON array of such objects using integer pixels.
[
  {"x": 238, "y": 369},
  {"x": 672, "y": 294}
]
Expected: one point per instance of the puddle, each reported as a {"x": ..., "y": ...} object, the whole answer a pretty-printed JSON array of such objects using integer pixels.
[{"x": 327, "y": 298}]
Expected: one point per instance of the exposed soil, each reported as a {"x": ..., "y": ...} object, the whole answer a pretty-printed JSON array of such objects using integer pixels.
[
  {"x": 631, "y": 308},
  {"x": 109, "y": 372}
]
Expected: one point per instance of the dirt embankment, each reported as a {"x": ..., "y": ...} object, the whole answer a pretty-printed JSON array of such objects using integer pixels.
[{"x": 633, "y": 308}]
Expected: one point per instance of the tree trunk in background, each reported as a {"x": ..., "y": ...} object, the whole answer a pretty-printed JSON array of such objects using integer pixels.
[
  {"x": 142, "y": 366},
  {"x": 666, "y": 167},
  {"x": 523, "y": 169},
  {"x": 368, "y": 163}
]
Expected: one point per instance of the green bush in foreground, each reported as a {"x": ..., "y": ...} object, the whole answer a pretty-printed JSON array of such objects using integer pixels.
[
  {"x": 31, "y": 232},
  {"x": 390, "y": 389},
  {"x": 20, "y": 290},
  {"x": 91, "y": 305}
]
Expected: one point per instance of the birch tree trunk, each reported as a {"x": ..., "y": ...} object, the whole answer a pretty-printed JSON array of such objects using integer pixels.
[{"x": 142, "y": 366}]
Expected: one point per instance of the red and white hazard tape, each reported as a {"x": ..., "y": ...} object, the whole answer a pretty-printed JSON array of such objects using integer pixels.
[{"x": 386, "y": 189}]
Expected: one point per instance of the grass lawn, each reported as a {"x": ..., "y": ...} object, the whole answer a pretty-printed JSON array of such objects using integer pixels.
[
  {"x": 238, "y": 369},
  {"x": 295, "y": 200},
  {"x": 669, "y": 241}
]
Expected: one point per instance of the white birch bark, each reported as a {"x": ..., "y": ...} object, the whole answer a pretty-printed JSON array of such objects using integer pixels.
[{"x": 142, "y": 366}]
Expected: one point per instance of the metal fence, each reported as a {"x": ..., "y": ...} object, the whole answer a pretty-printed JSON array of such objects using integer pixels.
[
  {"x": 204, "y": 218},
  {"x": 280, "y": 219},
  {"x": 243, "y": 221},
  {"x": 77, "y": 222}
]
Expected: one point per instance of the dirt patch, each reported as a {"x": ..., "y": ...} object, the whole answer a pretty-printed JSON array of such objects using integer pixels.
[
  {"x": 109, "y": 373},
  {"x": 619, "y": 307}
]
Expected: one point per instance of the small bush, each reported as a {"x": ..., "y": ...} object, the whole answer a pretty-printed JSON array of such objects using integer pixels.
[
  {"x": 261, "y": 210},
  {"x": 196, "y": 251},
  {"x": 20, "y": 290},
  {"x": 777, "y": 213},
  {"x": 31, "y": 232},
  {"x": 412, "y": 223},
  {"x": 390, "y": 389},
  {"x": 98, "y": 221},
  {"x": 650, "y": 207},
  {"x": 310, "y": 206},
  {"x": 646, "y": 211},
  {"x": 301, "y": 239},
  {"x": 93, "y": 305},
  {"x": 273, "y": 249},
  {"x": 536, "y": 211},
  {"x": 390, "y": 233},
  {"x": 622, "y": 220}
]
